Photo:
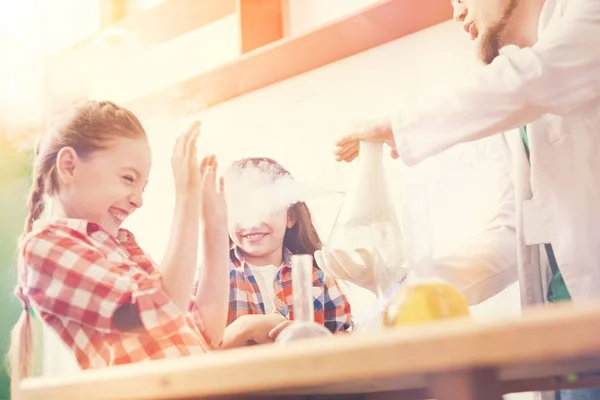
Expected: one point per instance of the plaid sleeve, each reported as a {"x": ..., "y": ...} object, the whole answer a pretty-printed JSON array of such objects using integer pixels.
[
  {"x": 337, "y": 313},
  {"x": 67, "y": 277},
  {"x": 239, "y": 295}
]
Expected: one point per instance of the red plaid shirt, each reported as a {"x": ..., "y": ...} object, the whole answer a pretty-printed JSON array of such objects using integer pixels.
[
  {"x": 76, "y": 275},
  {"x": 332, "y": 309}
]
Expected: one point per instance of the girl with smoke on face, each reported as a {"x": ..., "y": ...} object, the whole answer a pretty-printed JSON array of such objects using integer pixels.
[{"x": 267, "y": 224}]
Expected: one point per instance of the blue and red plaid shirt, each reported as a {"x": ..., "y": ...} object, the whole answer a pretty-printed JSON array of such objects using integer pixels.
[{"x": 332, "y": 309}]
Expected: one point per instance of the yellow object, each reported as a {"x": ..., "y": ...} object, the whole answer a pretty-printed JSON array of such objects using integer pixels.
[{"x": 423, "y": 302}]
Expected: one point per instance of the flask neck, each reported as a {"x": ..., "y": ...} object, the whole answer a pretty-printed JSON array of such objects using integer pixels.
[{"x": 370, "y": 158}]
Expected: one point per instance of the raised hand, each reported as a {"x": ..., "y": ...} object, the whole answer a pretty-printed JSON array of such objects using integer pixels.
[
  {"x": 185, "y": 164},
  {"x": 346, "y": 148},
  {"x": 212, "y": 200}
]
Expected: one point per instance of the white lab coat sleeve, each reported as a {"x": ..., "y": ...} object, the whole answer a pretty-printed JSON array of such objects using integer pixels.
[
  {"x": 488, "y": 264},
  {"x": 559, "y": 74}
]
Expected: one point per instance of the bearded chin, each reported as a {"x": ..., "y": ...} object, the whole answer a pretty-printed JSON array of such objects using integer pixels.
[
  {"x": 489, "y": 47},
  {"x": 492, "y": 41}
]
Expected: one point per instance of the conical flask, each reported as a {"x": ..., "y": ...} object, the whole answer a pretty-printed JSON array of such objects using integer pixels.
[
  {"x": 303, "y": 310},
  {"x": 423, "y": 296},
  {"x": 365, "y": 244}
]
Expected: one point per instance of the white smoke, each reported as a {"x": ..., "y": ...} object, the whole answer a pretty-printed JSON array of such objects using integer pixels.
[{"x": 253, "y": 192}]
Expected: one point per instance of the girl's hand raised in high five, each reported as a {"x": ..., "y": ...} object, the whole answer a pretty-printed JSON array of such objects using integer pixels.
[
  {"x": 212, "y": 200},
  {"x": 185, "y": 165}
]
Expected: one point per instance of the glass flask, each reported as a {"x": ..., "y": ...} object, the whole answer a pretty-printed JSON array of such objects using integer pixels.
[
  {"x": 366, "y": 240},
  {"x": 303, "y": 325},
  {"x": 423, "y": 296},
  {"x": 423, "y": 299}
]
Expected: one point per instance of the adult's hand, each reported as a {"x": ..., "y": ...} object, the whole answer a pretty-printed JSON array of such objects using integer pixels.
[{"x": 347, "y": 147}]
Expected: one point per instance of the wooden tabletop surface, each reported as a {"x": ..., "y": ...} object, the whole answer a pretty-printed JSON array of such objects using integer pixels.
[{"x": 543, "y": 343}]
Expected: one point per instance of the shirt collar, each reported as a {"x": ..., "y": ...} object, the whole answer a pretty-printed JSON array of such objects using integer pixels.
[
  {"x": 88, "y": 228},
  {"x": 239, "y": 260}
]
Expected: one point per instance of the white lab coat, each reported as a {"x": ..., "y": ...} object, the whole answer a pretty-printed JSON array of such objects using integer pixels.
[{"x": 554, "y": 88}]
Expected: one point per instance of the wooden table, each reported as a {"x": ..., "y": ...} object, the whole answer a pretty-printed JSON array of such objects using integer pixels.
[{"x": 462, "y": 360}]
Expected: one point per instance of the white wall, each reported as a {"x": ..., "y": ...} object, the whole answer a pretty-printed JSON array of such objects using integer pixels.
[
  {"x": 68, "y": 22},
  {"x": 123, "y": 77},
  {"x": 137, "y": 6},
  {"x": 305, "y": 15}
]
